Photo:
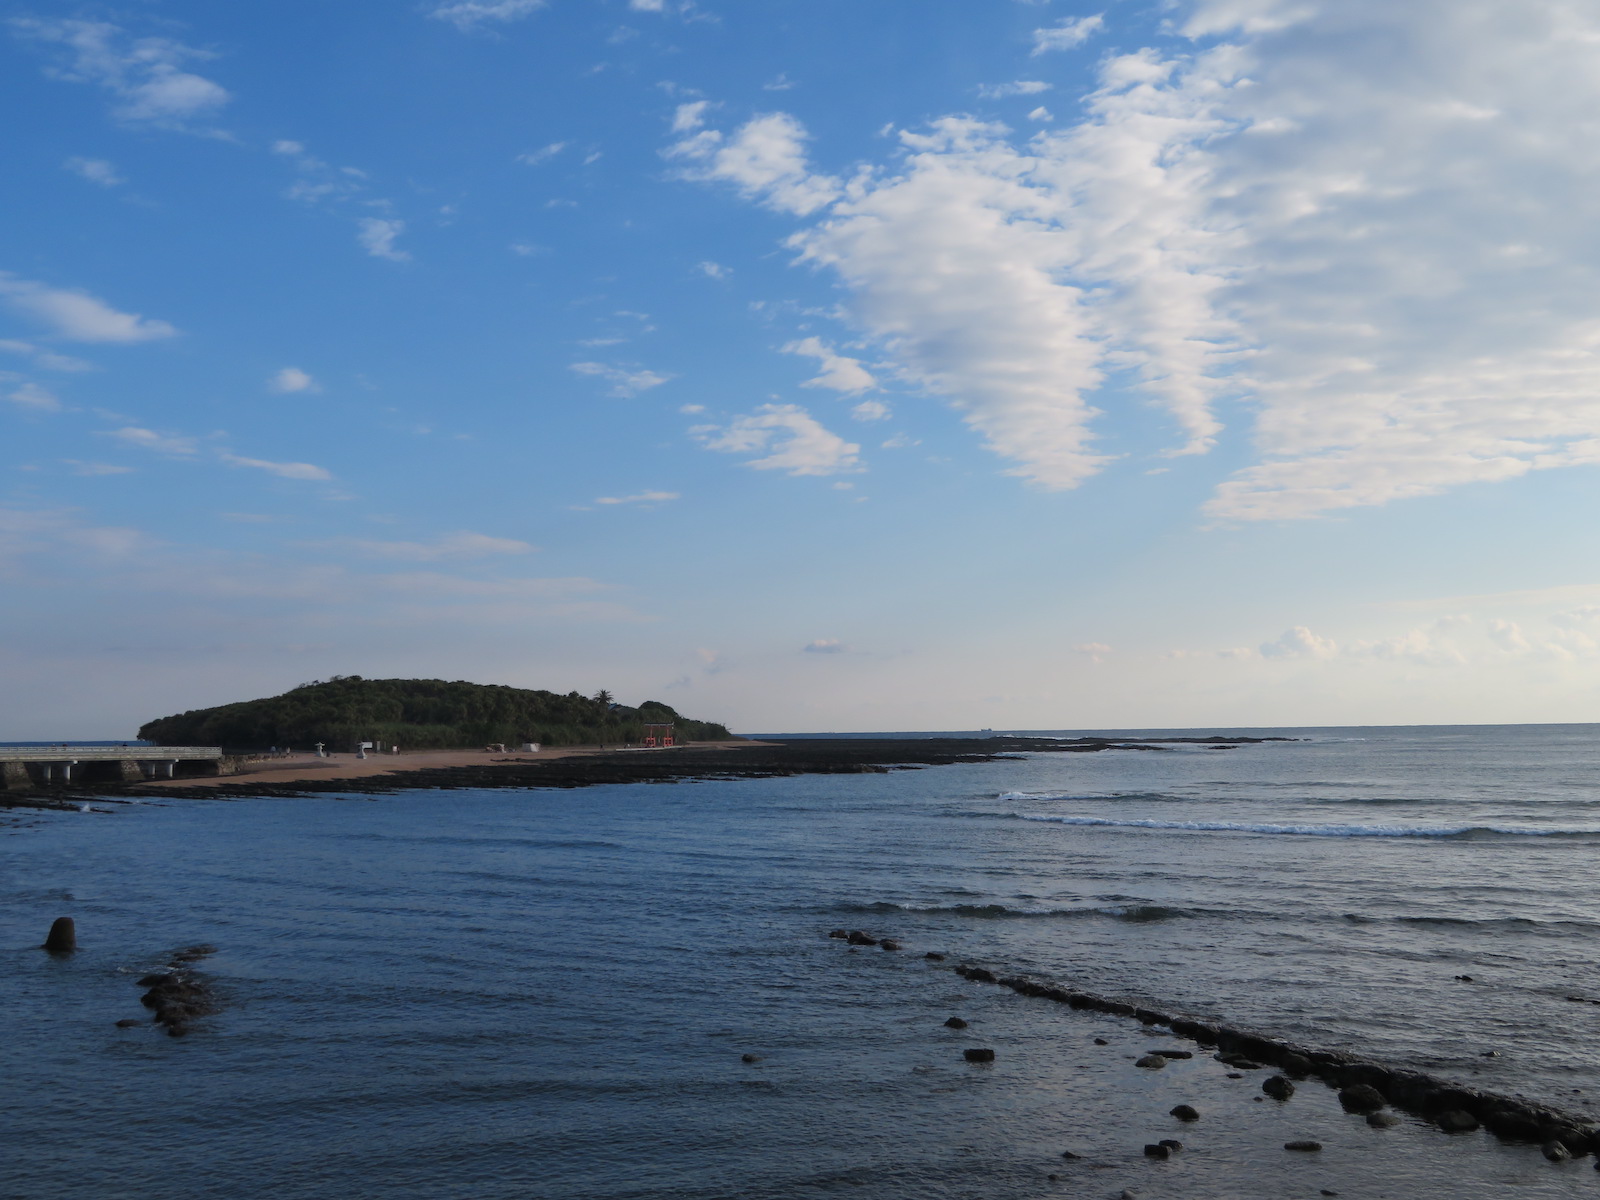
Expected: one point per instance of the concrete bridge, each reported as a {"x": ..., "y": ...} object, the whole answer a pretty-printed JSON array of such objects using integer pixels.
[{"x": 24, "y": 767}]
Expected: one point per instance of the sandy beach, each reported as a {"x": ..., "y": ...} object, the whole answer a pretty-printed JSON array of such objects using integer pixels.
[{"x": 303, "y": 768}]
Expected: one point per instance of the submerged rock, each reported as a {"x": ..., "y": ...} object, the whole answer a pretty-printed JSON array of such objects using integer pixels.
[
  {"x": 749, "y": 1058},
  {"x": 889, "y": 944},
  {"x": 1457, "y": 1120},
  {"x": 1382, "y": 1120},
  {"x": 1278, "y": 1087},
  {"x": 1173, "y": 1145},
  {"x": 1185, "y": 1112},
  {"x": 977, "y": 1055},
  {"x": 955, "y": 1023},
  {"x": 859, "y": 937},
  {"x": 1157, "y": 1150},
  {"x": 1307, "y": 1146},
  {"x": 1361, "y": 1098},
  {"x": 1151, "y": 1062},
  {"x": 935, "y": 955},
  {"x": 62, "y": 938}
]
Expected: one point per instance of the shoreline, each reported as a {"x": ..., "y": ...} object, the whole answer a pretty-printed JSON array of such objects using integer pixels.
[{"x": 588, "y": 766}]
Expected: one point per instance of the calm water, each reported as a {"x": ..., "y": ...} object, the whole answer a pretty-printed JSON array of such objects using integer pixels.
[{"x": 546, "y": 994}]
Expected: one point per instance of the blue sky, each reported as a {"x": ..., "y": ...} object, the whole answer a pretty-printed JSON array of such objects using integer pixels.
[{"x": 807, "y": 365}]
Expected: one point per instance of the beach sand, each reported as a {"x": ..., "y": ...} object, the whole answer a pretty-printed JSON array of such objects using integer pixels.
[{"x": 301, "y": 768}]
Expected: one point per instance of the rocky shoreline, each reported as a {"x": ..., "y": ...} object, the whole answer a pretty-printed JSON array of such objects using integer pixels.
[
  {"x": 765, "y": 759},
  {"x": 1364, "y": 1088}
]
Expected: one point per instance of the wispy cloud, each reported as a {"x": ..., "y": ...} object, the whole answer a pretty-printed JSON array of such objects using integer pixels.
[
  {"x": 1022, "y": 87},
  {"x": 837, "y": 372},
  {"x": 468, "y": 14},
  {"x": 95, "y": 170},
  {"x": 1074, "y": 31},
  {"x": 48, "y": 360},
  {"x": 377, "y": 236},
  {"x": 640, "y": 498},
  {"x": 292, "y": 379},
  {"x": 462, "y": 545},
  {"x": 535, "y": 157},
  {"x": 31, "y": 395},
  {"x": 284, "y": 470},
  {"x": 148, "y": 439},
  {"x": 789, "y": 439},
  {"x": 825, "y": 646},
  {"x": 78, "y": 316},
  {"x": 625, "y": 382},
  {"x": 146, "y": 75}
]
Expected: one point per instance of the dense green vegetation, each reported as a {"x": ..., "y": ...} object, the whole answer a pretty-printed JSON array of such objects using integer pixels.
[{"x": 419, "y": 714}]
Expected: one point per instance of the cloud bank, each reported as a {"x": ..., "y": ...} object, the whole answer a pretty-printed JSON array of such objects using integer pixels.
[{"x": 1363, "y": 224}]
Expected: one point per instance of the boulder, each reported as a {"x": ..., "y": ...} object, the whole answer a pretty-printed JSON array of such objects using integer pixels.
[
  {"x": 1382, "y": 1120},
  {"x": 1178, "y": 1054},
  {"x": 1308, "y": 1146},
  {"x": 1556, "y": 1151},
  {"x": 1173, "y": 1145},
  {"x": 1101, "y": 1042},
  {"x": 1278, "y": 1087},
  {"x": 1151, "y": 1062},
  {"x": 889, "y": 944},
  {"x": 62, "y": 938},
  {"x": 749, "y": 1058},
  {"x": 1296, "y": 1066},
  {"x": 975, "y": 1055},
  {"x": 955, "y": 1023},
  {"x": 1069, "y": 1154},
  {"x": 1457, "y": 1120},
  {"x": 1185, "y": 1112},
  {"x": 934, "y": 955},
  {"x": 859, "y": 937},
  {"x": 1361, "y": 1098},
  {"x": 1157, "y": 1150},
  {"x": 128, "y": 1023},
  {"x": 839, "y": 933}
]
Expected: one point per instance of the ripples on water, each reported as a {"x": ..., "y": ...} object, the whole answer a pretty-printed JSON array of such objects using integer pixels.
[{"x": 547, "y": 993}]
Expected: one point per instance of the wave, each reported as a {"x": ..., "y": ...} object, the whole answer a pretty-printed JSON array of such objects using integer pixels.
[
  {"x": 1344, "y": 831},
  {"x": 994, "y": 912}
]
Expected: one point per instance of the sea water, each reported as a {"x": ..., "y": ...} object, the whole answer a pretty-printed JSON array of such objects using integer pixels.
[{"x": 533, "y": 993}]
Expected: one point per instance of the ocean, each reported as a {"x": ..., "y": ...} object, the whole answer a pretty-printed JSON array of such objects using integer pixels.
[{"x": 551, "y": 993}]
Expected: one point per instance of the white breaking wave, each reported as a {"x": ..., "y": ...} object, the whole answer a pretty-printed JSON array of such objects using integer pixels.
[{"x": 1307, "y": 830}]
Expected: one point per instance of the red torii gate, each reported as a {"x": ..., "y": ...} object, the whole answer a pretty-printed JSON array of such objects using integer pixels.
[{"x": 659, "y": 735}]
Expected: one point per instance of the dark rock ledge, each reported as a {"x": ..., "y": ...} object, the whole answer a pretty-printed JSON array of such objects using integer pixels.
[
  {"x": 766, "y": 759},
  {"x": 1364, "y": 1086}
]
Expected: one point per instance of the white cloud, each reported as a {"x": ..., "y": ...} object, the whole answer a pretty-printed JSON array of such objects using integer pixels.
[
  {"x": 95, "y": 468},
  {"x": 1300, "y": 642},
  {"x": 145, "y": 75},
  {"x": 284, "y": 470},
  {"x": 31, "y": 395},
  {"x": 534, "y": 157},
  {"x": 1022, "y": 87},
  {"x": 78, "y": 316},
  {"x": 765, "y": 159},
  {"x": 825, "y": 646},
  {"x": 149, "y": 439},
  {"x": 1074, "y": 31},
  {"x": 871, "y": 410},
  {"x": 467, "y": 14},
  {"x": 1095, "y": 652},
  {"x": 688, "y": 117},
  {"x": 624, "y": 383},
  {"x": 95, "y": 170},
  {"x": 47, "y": 359},
  {"x": 1041, "y": 114},
  {"x": 713, "y": 270},
  {"x": 1362, "y": 219},
  {"x": 640, "y": 498},
  {"x": 377, "y": 236},
  {"x": 789, "y": 437},
  {"x": 287, "y": 147},
  {"x": 461, "y": 545},
  {"x": 837, "y": 372},
  {"x": 648, "y": 5},
  {"x": 292, "y": 379}
]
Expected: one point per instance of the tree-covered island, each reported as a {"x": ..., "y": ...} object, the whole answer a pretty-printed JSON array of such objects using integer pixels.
[{"x": 420, "y": 714}]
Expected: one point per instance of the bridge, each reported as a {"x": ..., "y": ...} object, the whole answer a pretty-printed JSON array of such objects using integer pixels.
[{"x": 25, "y": 767}]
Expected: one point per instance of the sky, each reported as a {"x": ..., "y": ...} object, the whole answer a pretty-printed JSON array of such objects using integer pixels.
[{"x": 805, "y": 364}]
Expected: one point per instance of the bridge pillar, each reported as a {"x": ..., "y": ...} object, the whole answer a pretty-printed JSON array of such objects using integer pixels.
[
  {"x": 14, "y": 775},
  {"x": 128, "y": 770}
]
